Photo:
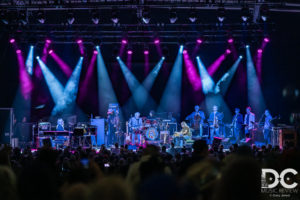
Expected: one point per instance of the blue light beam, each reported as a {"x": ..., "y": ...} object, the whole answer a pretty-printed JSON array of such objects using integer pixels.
[
  {"x": 55, "y": 87},
  {"x": 29, "y": 60},
  {"x": 139, "y": 93},
  {"x": 171, "y": 99},
  {"x": 106, "y": 94},
  {"x": 67, "y": 101},
  {"x": 226, "y": 79},
  {"x": 255, "y": 96},
  {"x": 207, "y": 82}
]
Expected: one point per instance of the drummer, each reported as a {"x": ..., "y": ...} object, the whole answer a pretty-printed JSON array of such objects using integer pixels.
[
  {"x": 135, "y": 125},
  {"x": 183, "y": 135}
]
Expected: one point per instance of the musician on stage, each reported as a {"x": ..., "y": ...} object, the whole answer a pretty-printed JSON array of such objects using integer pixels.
[
  {"x": 249, "y": 122},
  {"x": 135, "y": 125},
  {"x": 59, "y": 140},
  {"x": 60, "y": 125},
  {"x": 196, "y": 119},
  {"x": 215, "y": 121},
  {"x": 237, "y": 123},
  {"x": 267, "y": 127},
  {"x": 183, "y": 135},
  {"x": 113, "y": 120}
]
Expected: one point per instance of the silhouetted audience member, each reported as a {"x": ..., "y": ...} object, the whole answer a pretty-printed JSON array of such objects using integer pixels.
[
  {"x": 148, "y": 173},
  {"x": 240, "y": 179}
]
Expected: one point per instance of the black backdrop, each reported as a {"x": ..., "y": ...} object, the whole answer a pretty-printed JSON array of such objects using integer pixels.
[{"x": 280, "y": 72}]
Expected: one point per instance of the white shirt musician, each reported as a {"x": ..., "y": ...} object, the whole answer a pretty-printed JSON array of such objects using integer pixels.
[
  {"x": 249, "y": 121},
  {"x": 60, "y": 125},
  {"x": 135, "y": 125}
]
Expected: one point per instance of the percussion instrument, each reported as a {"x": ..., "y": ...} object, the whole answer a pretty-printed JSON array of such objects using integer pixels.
[
  {"x": 151, "y": 133},
  {"x": 165, "y": 136},
  {"x": 155, "y": 123},
  {"x": 148, "y": 123}
]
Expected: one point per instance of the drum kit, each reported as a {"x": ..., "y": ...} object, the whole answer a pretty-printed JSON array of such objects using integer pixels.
[{"x": 153, "y": 131}]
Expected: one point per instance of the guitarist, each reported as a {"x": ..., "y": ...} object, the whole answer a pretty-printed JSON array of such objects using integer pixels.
[{"x": 196, "y": 119}]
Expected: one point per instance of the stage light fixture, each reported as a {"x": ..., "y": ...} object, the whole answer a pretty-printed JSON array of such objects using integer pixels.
[
  {"x": 115, "y": 16},
  {"x": 95, "y": 52},
  {"x": 266, "y": 39},
  {"x": 241, "y": 56},
  {"x": 50, "y": 51},
  {"x": 124, "y": 41},
  {"x": 259, "y": 50},
  {"x": 173, "y": 16},
  {"x": 184, "y": 51},
  {"x": 95, "y": 17},
  {"x": 97, "y": 41},
  {"x": 228, "y": 51},
  {"x": 193, "y": 16},
  {"x": 199, "y": 41},
  {"x": 163, "y": 58},
  {"x": 129, "y": 50},
  {"x": 146, "y": 15},
  {"x": 12, "y": 40},
  {"x": 245, "y": 14},
  {"x": 70, "y": 18},
  {"x": 165, "y": 51},
  {"x": 118, "y": 57},
  {"x": 221, "y": 14},
  {"x": 18, "y": 51},
  {"x": 181, "y": 49},
  {"x": 230, "y": 40},
  {"x": 247, "y": 46},
  {"x": 264, "y": 13},
  {"x": 40, "y": 17},
  {"x": 48, "y": 41},
  {"x": 37, "y": 57},
  {"x": 156, "y": 41},
  {"x": 146, "y": 49},
  {"x": 79, "y": 41},
  {"x": 4, "y": 16},
  {"x": 22, "y": 17}
]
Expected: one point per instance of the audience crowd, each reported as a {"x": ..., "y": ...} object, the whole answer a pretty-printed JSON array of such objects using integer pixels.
[{"x": 150, "y": 173}]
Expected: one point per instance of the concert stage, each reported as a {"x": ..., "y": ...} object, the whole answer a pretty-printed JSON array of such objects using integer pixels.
[{"x": 90, "y": 71}]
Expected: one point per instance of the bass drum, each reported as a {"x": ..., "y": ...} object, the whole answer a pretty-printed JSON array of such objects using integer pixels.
[{"x": 151, "y": 134}]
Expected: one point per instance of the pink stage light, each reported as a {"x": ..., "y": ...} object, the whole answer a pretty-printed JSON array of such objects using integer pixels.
[
  {"x": 79, "y": 41},
  {"x": 184, "y": 51},
  {"x": 156, "y": 41},
  {"x": 95, "y": 52},
  {"x": 48, "y": 41},
  {"x": 50, "y": 51},
  {"x": 12, "y": 40},
  {"x": 146, "y": 52},
  {"x": 199, "y": 41},
  {"x": 124, "y": 41},
  {"x": 18, "y": 51},
  {"x": 259, "y": 50},
  {"x": 129, "y": 52},
  {"x": 228, "y": 51},
  {"x": 230, "y": 40},
  {"x": 266, "y": 39}
]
